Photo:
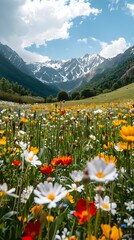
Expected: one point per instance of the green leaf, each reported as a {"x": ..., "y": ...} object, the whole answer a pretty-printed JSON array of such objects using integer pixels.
[
  {"x": 54, "y": 226},
  {"x": 9, "y": 215}
]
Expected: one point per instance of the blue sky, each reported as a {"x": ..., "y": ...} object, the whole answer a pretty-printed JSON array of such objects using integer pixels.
[{"x": 64, "y": 29}]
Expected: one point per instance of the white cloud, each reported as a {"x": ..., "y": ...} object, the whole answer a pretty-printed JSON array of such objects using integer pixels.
[
  {"x": 131, "y": 8},
  {"x": 82, "y": 40},
  {"x": 26, "y": 22},
  {"x": 114, "y": 48}
]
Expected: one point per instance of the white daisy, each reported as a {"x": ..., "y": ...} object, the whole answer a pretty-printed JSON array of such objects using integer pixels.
[
  {"x": 77, "y": 176},
  {"x": 4, "y": 191},
  {"x": 31, "y": 158},
  {"x": 130, "y": 205},
  {"x": 129, "y": 221},
  {"x": 105, "y": 204},
  {"x": 74, "y": 187},
  {"x": 99, "y": 171},
  {"x": 50, "y": 194}
]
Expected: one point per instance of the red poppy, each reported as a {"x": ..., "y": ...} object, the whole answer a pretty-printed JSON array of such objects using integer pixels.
[
  {"x": 32, "y": 229},
  {"x": 62, "y": 112},
  {"x": 66, "y": 160},
  {"x": 84, "y": 210},
  {"x": 16, "y": 162},
  {"x": 47, "y": 169},
  {"x": 26, "y": 238},
  {"x": 55, "y": 161}
]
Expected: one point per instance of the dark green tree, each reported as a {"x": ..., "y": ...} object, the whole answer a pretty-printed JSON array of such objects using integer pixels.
[
  {"x": 85, "y": 93},
  {"x": 75, "y": 95},
  {"x": 62, "y": 95}
]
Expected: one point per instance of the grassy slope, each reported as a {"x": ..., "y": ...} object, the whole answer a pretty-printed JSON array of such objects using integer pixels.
[{"x": 119, "y": 95}]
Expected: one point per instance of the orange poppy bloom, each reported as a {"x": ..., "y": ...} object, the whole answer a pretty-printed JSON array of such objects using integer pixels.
[
  {"x": 66, "y": 160},
  {"x": 55, "y": 161},
  {"x": 47, "y": 169}
]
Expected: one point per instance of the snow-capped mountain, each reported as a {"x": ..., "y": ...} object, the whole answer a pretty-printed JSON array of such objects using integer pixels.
[
  {"x": 68, "y": 74},
  {"x": 64, "y": 74},
  {"x": 14, "y": 58}
]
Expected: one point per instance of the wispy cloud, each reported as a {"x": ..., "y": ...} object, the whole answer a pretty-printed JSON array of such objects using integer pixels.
[
  {"x": 26, "y": 22},
  {"x": 113, "y": 5},
  {"x": 130, "y": 7},
  {"x": 82, "y": 40}
]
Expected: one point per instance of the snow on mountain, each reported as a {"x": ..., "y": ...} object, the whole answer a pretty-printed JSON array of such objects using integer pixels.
[{"x": 59, "y": 72}]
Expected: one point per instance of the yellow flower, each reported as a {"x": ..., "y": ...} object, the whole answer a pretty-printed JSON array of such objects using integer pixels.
[
  {"x": 112, "y": 233},
  {"x": 24, "y": 120},
  {"x": 107, "y": 158},
  {"x": 21, "y": 219},
  {"x": 116, "y": 123},
  {"x": 108, "y": 145},
  {"x": 127, "y": 133},
  {"x": 3, "y": 141},
  {"x": 2, "y": 131},
  {"x": 124, "y": 146},
  {"x": 70, "y": 198},
  {"x": 35, "y": 150},
  {"x": 50, "y": 218}
]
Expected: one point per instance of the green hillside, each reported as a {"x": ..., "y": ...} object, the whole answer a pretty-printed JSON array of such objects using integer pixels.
[{"x": 123, "y": 94}]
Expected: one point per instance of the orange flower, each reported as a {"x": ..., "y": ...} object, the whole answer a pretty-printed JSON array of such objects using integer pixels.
[
  {"x": 66, "y": 160},
  {"x": 55, "y": 161},
  {"x": 112, "y": 233},
  {"x": 47, "y": 169},
  {"x": 127, "y": 133},
  {"x": 36, "y": 210}
]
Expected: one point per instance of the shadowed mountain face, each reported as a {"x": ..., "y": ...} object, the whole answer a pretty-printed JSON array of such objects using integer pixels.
[{"x": 12, "y": 73}]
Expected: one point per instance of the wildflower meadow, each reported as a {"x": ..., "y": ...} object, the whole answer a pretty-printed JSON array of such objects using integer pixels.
[{"x": 67, "y": 173}]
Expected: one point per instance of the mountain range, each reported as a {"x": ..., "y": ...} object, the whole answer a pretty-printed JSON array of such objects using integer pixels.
[{"x": 50, "y": 77}]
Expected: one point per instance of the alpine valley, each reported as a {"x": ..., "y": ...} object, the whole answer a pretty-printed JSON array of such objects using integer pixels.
[{"x": 50, "y": 77}]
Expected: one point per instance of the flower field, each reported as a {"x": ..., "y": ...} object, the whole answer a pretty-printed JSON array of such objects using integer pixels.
[{"x": 67, "y": 173}]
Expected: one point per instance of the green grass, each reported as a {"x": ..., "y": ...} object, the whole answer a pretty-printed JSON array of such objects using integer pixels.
[{"x": 120, "y": 95}]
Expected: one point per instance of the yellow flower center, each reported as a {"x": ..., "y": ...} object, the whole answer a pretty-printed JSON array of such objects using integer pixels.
[
  {"x": 51, "y": 196},
  {"x": 105, "y": 206},
  {"x": 2, "y": 194},
  {"x": 30, "y": 159},
  {"x": 25, "y": 198},
  {"x": 100, "y": 174}
]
